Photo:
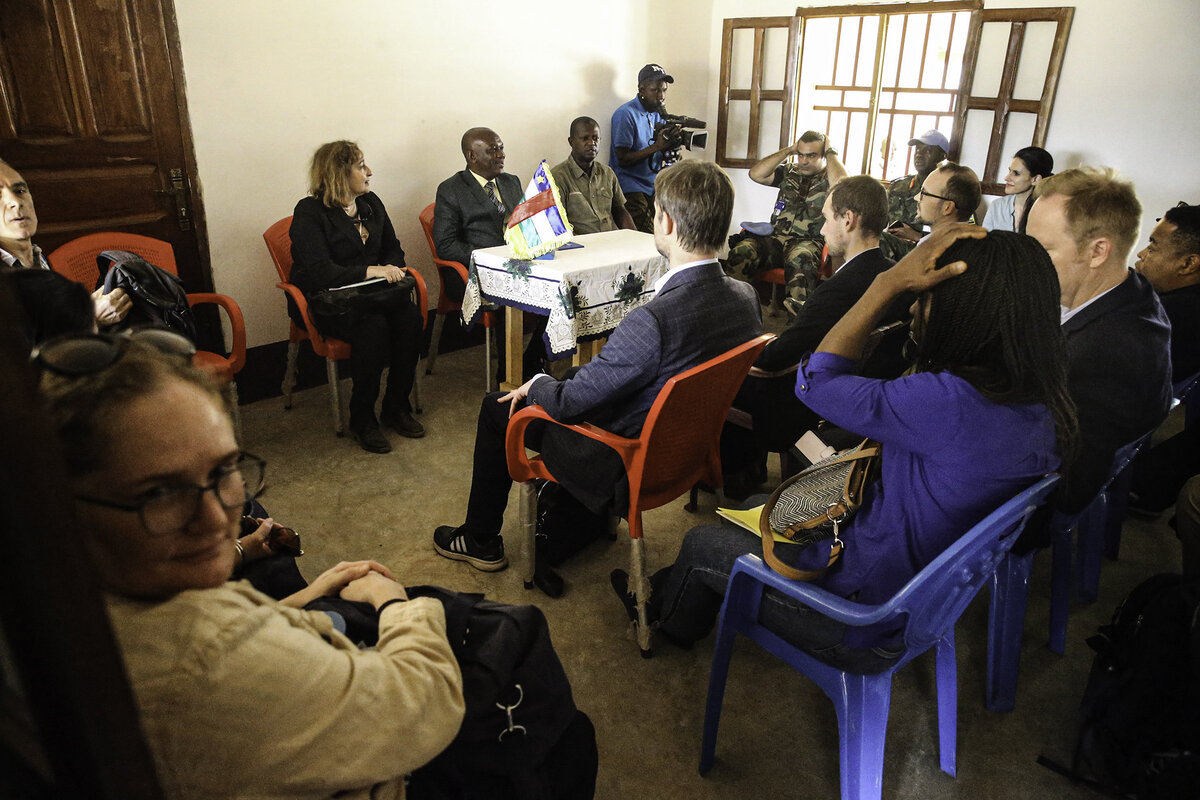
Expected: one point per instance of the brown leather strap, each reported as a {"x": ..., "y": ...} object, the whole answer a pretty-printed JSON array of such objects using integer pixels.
[{"x": 791, "y": 573}]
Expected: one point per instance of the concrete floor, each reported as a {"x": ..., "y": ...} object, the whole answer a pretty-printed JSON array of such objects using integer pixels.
[{"x": 778, "y": 736}]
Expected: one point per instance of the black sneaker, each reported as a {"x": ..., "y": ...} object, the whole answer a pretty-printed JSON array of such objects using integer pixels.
[
  {"x": 370, "y": 438},
  {"x": 451, "y": 543},
  {"x": 403, "y": 423}
]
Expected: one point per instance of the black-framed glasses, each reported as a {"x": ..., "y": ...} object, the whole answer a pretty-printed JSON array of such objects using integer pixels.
[
  {"x": 922, "y": 193},
  {"x": 166, "y": 509},
  {"x": 86, "y": 354}
]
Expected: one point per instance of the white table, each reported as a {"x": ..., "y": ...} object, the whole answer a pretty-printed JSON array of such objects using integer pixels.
[{"x": 585, "y": 292}]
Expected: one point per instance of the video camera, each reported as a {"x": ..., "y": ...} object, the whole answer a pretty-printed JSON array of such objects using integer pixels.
[{"x": 676, "y": 131}]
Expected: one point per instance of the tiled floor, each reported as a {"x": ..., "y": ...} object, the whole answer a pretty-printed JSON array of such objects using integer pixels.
[{"x": 778, "y": 736}]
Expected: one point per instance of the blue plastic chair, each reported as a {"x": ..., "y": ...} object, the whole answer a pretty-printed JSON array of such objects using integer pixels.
[
  {"x": 932, "y": 602},
  {"x": 1010, "y": 585}
]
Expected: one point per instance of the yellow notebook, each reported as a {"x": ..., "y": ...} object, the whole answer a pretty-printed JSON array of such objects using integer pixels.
[{"x": 748, "y": 519}]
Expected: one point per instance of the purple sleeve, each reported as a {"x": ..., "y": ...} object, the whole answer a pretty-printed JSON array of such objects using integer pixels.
[{"x": 913, "y": 412}]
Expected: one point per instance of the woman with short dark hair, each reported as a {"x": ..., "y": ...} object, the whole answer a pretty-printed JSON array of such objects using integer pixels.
[{"x": 341, "y": 235}]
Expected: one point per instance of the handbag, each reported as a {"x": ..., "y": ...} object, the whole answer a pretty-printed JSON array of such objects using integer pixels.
[
  {"x": 813, "y": 504},
  {"x": 334, "y": 311}
]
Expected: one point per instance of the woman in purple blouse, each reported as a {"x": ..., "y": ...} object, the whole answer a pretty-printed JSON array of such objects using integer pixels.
[{"x": 983, "y": 413}]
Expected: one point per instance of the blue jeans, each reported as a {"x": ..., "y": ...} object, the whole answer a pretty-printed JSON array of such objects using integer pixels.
[{"x": 688, "y": 596}]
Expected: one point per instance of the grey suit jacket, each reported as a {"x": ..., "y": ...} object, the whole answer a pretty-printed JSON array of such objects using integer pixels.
[
  {"x": 464, "y": 219},
  {"x": 699, "y": 314}
]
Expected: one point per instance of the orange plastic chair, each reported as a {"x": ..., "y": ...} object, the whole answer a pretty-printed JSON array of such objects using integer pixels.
[
  {"x": 679, "y": 446},
  {"x": 446, "y": 305},
  {"x": 279, "y": 245},
  {"x": 77, "y": 260},
  {"x": 775, "y": 275}
]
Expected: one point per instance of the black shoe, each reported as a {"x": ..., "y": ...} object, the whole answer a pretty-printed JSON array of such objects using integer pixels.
[
  {"x": 370, "y": 437},
  {"x": 451, "y": 543},
  {"x": 619, "y": 579},
  {"x": 402, "y": 422},
  {"x": 546, "y": 579}
]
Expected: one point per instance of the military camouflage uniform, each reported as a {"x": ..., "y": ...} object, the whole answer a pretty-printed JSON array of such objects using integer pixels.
[
  {"x": 902, "y": 199},
  {"x": 796, "y": 244}
]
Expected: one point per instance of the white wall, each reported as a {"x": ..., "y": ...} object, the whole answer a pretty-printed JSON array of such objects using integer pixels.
[
  {"x": 270, "y": 80},
  {"x": 1126, "y": 96}
]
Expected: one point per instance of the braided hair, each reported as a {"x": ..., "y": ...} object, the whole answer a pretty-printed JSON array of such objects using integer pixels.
[{"x": 997, "y": 327}]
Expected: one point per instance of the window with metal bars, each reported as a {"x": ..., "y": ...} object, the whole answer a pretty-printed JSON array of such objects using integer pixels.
[{"x": 875, "y": 76}]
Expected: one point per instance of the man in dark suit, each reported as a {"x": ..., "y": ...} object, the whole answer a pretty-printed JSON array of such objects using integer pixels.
[
  {"x": 696, "y": 314},
  {"x": 1118, "y": 336},
  {"x": 470, "y": 212},
  {"x": 855, "y": 213},
  {"x": 1171, "y": 262}
]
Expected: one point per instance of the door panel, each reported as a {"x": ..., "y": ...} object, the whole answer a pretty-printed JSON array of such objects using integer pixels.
[{"x": 93, "y": 115}]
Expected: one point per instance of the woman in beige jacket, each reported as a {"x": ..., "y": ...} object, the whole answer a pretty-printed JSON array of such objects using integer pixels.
[{"x": 240, "y": 696}]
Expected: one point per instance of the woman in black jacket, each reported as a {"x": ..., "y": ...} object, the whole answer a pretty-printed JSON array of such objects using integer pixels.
[{"x": 341, "y": 235}]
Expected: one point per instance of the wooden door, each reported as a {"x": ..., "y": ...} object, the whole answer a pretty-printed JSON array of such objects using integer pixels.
[{"x": 93, "y": 115}]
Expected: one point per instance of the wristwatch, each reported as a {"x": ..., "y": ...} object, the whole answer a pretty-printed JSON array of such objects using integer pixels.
[{"x": 829, "y": 151}]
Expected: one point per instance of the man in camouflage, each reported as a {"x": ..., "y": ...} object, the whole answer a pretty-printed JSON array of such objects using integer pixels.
[
  {"x": 929, "y": 150},
  {"x": 795, "y": 242}
]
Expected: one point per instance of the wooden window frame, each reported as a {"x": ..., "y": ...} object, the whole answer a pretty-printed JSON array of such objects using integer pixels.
[{"x": 1001, "y": 106}]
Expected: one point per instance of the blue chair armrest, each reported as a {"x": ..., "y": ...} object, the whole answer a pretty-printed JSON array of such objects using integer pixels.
[{"x": 818, "y": 599}]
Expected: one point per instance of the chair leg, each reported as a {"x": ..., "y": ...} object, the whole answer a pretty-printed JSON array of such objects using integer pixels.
[
  {"x": 289, "y": 374},
  {"x": 727, "y": 628},
  {"x": 415, "y": 396},
  {"x": 235, "y": 413},
  {"x": 641, "y": 590},
  {"x": 435, "y": 341},
  {"x": 1060, "y": 585},
  {"x": 1114, "y": 518},
  {"x": 489, "y": 377},
  {"x": 693, "y": 497},
  {"x": 335, "y": 399},
  {"x": 528, "y": 522},
  {"x": 1006, "y": 625},
  {"x": 947, "y": 694},
  {"x": 862, "y": 711},
  {"x": 1090, "y": 538}
]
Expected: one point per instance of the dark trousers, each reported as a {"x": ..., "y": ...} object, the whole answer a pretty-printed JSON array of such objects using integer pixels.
[
  {"x": 490, "y": 481},
  {"x": 1159, "y": 474},
  {"x": 686, "y": 597},
  {"x": 641, "y": 208},
  {"x": 384, "y": 339}
]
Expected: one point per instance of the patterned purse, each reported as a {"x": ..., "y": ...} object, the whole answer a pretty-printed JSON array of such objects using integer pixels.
[{"x": 812, "y": 505}]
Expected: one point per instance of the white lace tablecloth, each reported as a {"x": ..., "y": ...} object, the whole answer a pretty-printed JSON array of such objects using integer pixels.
[{"x": 586, "y": 292}]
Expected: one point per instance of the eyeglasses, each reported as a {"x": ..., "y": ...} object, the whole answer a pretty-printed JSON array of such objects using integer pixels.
[
  {"x": 922, "y": 193},
  {"x": 166, "y": 509},
  {"x": 78, "y": 355}
]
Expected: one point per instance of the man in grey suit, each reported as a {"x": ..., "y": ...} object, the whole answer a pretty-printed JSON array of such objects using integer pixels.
[
  {"x": 471, "y": 210},
  {"x": 696, "y": 314}
]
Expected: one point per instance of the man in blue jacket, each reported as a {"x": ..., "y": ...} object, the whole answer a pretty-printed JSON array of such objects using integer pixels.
[{"x": 696, "y": 314}]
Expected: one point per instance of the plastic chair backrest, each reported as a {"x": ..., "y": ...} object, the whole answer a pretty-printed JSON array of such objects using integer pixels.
[
  {"x": 279, "y": 244},
  {"x": 687, "y": 416},
  {"x": 937, "y": 595},
  {"x": 77, "y": 258}
]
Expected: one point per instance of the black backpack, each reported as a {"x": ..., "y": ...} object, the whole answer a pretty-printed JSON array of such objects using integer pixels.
[
  {"x": 1139, "y": 730},
  {"x": 158, "y": 296},
  {"x": 564, "y": 525}
]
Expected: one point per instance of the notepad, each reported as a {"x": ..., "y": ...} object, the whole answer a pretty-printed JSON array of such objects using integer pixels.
[{"x": 748, "y": 518}]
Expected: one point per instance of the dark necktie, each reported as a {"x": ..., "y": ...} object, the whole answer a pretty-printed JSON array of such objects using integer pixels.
[{"x": 490, "y": 188}]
